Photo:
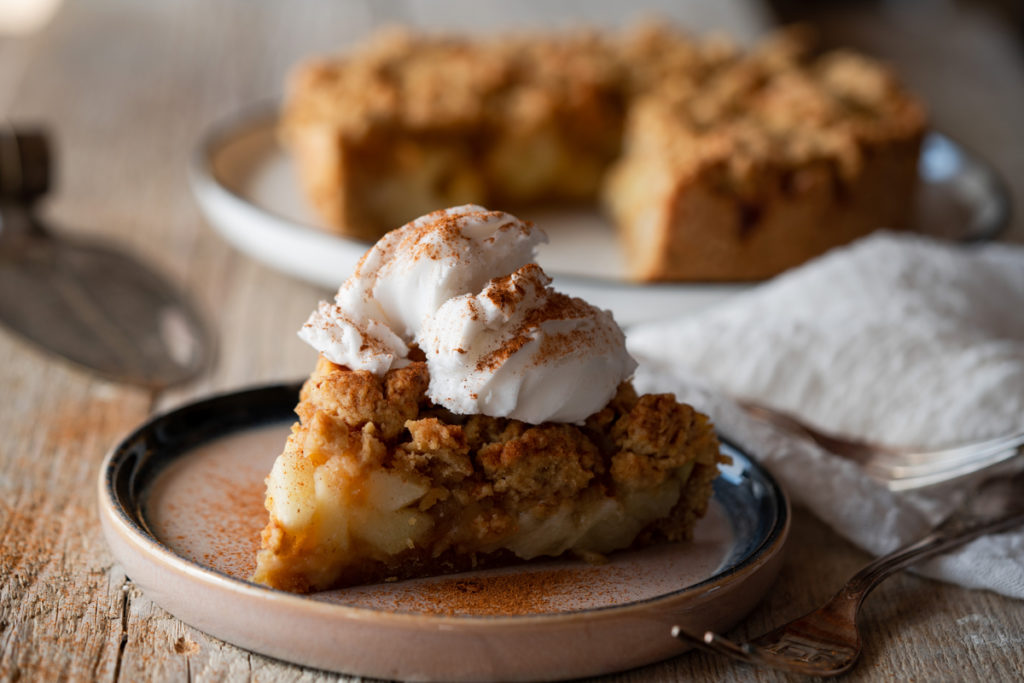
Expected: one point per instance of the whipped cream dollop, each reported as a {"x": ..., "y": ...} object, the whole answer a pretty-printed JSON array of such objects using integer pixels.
[{"x": 462, "y": 285}]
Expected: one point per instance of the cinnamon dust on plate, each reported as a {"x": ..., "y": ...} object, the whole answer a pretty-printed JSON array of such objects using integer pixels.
[
  {"x": 518, "y": 593},
  {"x": 221, "y": 530}
]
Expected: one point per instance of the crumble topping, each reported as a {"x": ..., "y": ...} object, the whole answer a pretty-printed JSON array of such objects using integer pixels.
[
  {"x": 778, "y": 100},
  {"x": 526, "y": 461}
]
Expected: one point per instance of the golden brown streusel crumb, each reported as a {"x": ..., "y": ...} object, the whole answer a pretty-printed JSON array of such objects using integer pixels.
[
  {"x": 547, "y": 462},
  {"x": 357, "y": 397},
  {"x": 437, "y": 450}
]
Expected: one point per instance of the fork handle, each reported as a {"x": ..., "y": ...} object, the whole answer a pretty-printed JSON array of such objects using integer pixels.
[{"x": 954, "y": 532}]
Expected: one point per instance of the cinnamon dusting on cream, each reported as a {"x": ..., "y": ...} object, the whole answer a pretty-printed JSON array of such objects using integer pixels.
[{"x": 462, "y": 285}]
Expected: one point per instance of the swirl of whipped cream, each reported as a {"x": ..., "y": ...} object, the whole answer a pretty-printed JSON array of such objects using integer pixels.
[
  {"x": 507, "y": 346},
  {"x": 520, "y": 349},
  {"x": 407, "y": 275}
]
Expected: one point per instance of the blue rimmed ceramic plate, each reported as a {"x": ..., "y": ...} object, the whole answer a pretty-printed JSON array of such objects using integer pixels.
[{"x": 181, "y": 506}]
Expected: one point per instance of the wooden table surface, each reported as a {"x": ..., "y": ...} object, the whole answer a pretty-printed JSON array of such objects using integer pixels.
[{"x": 127, "y": 88}]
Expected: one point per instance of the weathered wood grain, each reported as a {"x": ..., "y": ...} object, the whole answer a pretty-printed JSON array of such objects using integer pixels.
[
  {"x": 61, "y": 597},
  {"x": 128, "y": 87}
]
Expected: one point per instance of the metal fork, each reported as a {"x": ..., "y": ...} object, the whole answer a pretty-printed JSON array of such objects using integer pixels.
[
  {"x": 826, "y": 642},
  {"x": 900, "y": 469}
]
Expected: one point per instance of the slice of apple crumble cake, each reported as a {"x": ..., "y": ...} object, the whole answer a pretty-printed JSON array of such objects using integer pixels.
[{"x": 458, "y": 420}]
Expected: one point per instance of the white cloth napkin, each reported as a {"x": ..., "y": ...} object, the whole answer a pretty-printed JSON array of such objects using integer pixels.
[{"x": 898, "y": 339}]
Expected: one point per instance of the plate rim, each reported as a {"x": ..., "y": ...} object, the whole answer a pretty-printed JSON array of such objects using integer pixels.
[{"x": 129, "y": 518}]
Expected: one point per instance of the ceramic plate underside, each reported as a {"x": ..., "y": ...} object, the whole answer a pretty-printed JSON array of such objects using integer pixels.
[{"x": 196, "y": 500}]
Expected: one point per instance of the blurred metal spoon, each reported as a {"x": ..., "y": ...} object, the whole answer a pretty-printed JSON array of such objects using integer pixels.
[{"x": 84, "y": 300}]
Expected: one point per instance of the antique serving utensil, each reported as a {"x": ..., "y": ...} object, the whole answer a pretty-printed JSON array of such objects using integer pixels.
[{"x": 85, "y": 300}]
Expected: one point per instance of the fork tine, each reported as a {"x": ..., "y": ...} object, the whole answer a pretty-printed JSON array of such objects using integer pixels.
[
  {"x": 686, "y": 636},
  {"x": 713, "y": 642},
  {"x": 910, "y": 462},
  {"x": 900, "y": 468},
  {"x": 904, "y": 481},
  {"x": 723, "y": 645}
]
